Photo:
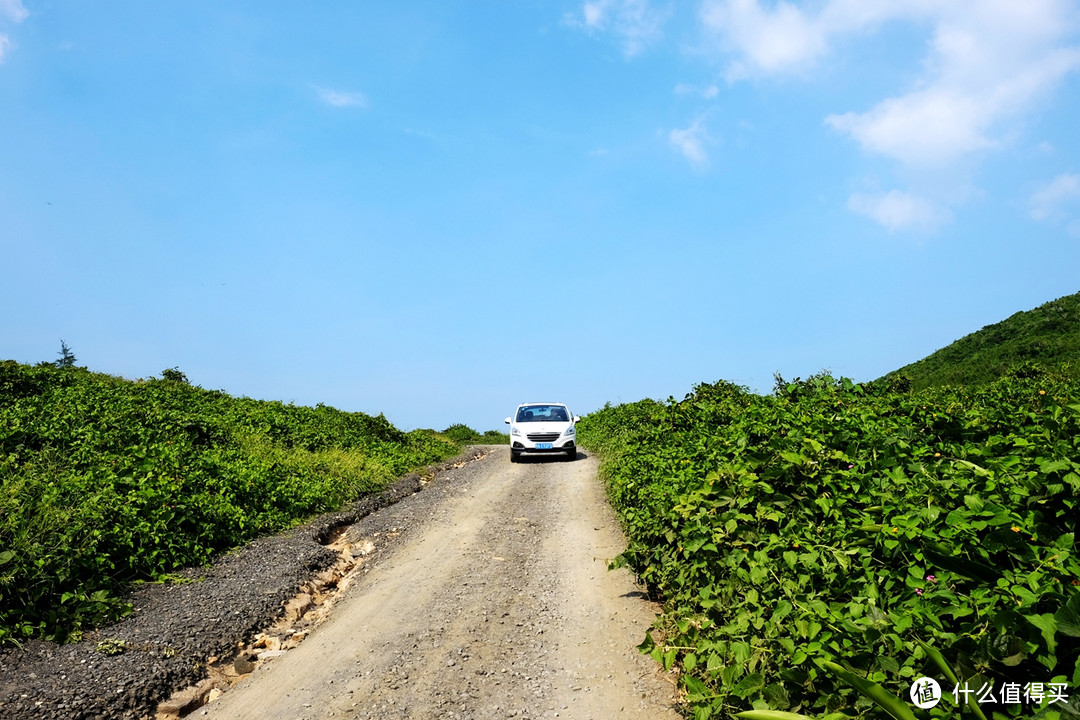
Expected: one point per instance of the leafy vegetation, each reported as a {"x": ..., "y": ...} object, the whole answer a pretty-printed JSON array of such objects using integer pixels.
[
  {"x": 817, "y": 550},
  {"x": 105, "y": 481},
  {"x": 1047, "y": 337},
  {"x": 465, "y": 435}
]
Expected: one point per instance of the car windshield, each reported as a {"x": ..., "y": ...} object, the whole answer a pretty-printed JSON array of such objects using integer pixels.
[{"x": 542, "y": 413}]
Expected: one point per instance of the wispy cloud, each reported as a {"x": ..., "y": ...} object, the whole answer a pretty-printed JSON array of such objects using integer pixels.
[
  {"x": 988, "y": 61},
  {"x": 987, "y": 67},
  {"x": 691, "y": 142},
  {"x": 635, "y": 22},
  {"x": 899, "y": 211},
  {"x": 989, "y": 64},
  {"x": 765, "y": 40},
  {"x": 708, "y": 92},
  {"x": 1055, "y": 198},
  {"x": 13, "y": 11},
  {"x": 341, "y": 98}
]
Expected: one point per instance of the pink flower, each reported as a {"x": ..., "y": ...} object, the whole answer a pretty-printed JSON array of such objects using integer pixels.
[
  {"x": 918, "y": 591},
  {"x": 931, "y": 578}
]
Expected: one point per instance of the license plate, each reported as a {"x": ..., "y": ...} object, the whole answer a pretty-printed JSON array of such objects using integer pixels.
[{"x": 543, "y": 446}]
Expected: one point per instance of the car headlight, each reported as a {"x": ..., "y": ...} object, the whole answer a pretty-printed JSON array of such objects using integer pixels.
[
  {"x": 569, "y": 431},
  {"x": 514, "y": 431}
]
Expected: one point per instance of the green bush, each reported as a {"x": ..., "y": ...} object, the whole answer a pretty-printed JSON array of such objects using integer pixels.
[
  {"x": 465, "y": 435},
  {"x": 105, "y": 481},
  {"x": 830, "y": 528}
]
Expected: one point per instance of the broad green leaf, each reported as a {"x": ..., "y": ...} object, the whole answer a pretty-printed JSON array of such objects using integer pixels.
[
  {"x": 752, "y": 683},
  {"x": 1052, "y": 466},
  {"x": 1068, "y": 617},
  {"x": 939, "y": 661},
  {"x": 695, "y": 686},
  {"x": 979, "y": 471},
  {"x": 1047, "y": 625},
  {"x": 886, "y": 701}
]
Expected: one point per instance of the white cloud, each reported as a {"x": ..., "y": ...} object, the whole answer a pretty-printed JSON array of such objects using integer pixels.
[
  {"x": 988, "y": 65},
  {"x": 342, "y": 99},
  {"x": 780, "y": 39},
  {"x": 594, "y": 13},
  {"x": 691, "y": 142},
  {"x": 5, "y": 43},
  {"x": 931, "y": 127},
  {"x": 897, "y": 211},
  {"x": 13, "y": 10},
  {"x": 1051, "y": 199},
  {"x": 634, "y": 22},
  {"x": 988, "y": 62}
]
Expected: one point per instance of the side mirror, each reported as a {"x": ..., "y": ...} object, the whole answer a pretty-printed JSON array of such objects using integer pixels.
[
  {"x": 577, "y": 419},
  {"x": 507, "y": 421}
]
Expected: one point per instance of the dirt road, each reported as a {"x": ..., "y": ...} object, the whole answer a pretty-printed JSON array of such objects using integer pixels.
[{"x": 492, "y": 601}]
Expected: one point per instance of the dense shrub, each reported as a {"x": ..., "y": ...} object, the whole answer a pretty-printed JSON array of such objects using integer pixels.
[
  {"x": 832, "y": 539},
  {"x": 465, "y": 435},
  {"x": 104, "y": 481}
]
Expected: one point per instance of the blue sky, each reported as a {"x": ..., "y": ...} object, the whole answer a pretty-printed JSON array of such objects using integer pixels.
[{"x": 437, "y": 210}]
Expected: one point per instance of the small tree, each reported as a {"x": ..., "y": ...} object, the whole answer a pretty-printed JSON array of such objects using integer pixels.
[
  {"x": 67, "y": 358},
  {"x": 173, "y": 374}
]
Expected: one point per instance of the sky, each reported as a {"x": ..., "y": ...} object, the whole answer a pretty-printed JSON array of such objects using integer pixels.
[{"x": 439, "y": 209}]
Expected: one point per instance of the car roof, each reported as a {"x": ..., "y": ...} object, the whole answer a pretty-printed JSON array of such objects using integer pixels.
[{"x": 542, "y": 403}]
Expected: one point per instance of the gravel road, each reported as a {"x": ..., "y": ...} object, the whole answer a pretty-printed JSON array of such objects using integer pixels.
[{"x": 485, "y": 595}]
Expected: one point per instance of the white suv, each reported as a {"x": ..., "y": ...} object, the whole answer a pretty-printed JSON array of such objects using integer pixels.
[{"x": 542, "y": 428}]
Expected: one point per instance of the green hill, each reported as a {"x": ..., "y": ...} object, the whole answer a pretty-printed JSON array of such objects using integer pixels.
[{"x": 1047, "y": 337}]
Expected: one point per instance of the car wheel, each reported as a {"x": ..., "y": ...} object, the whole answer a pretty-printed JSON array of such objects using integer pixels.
[
  {"x": 571, "y": 455},
  {"x": 515, "y": 456}
]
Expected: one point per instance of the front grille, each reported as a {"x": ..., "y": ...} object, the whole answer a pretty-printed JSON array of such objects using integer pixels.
[{"x": 543, "y": 437}]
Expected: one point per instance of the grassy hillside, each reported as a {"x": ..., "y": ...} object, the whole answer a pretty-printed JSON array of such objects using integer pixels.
[
  {"x": 104, "y": 481},
  {"x": 1048, "y": 336}
]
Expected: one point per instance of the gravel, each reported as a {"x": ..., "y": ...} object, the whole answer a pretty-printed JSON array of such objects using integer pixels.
[
  {"x": 488, "y": 597},
  {"x": 176, "y": 628}
]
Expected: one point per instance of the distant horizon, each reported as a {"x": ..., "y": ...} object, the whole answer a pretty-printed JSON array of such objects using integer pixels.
[
  {"x": 439, "y": 210},
  {"x": 688, "y": 389}
]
